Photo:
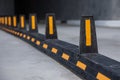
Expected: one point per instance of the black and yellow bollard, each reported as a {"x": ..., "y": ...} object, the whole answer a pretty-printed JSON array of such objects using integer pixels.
[
  {"x": 51, "y": 31},
  {"x": 9, "y": 21},
  {"x": 14, "y": 21},
  {"x": 33, "y": 23},
  {"x": 88, "y": 40},
  {"x": 22, "y": 22},
  {"x": 6, "y": 21}
]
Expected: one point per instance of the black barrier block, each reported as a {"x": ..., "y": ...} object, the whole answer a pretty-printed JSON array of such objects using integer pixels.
[
  {"x": 71, "y": 62},
  {"x": 38, "y": 36},
  {"x": 90, "y": 66},
  {"x": 109, "y": 67},
  {"x": 93, "y": 61},
  {"x": 88, "y": 40}
]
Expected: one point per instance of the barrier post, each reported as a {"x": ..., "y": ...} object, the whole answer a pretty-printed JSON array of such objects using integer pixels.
[
  {"x": 15, "y": 21},
  {"x": 88, "y": 40},
  {"x": 22, "y": 22},
  {"x": 51, "y": 31},
  {"x": 9, "y": 21},
  {"x": 33, "y": 23}
]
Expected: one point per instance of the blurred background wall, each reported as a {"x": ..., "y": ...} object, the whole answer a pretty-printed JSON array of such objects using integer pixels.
[
  {"x": 6, "y": 7},
  {"x": 71, "y": 9},
  {"x": 64, "y": 9}
]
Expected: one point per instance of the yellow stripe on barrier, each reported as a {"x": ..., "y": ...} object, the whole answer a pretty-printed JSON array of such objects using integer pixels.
[
  {"x": 22, "y": 20},
  {"x": 3, "y": 20},
  {"x": 28, "y": 37},
  {"x": 54, "y": 50},
  {"x": 14, "y": 21},
  {"x": 51, "y": 25},
  {"x": 81, "y": 65},
  {"x": 37, "y": 42},
  {"x": 33, "y": 22},
  {"x": 9, "y": 20},
  {"x": 6, "y": 20},
  {"x": 24, "y": 36},
  {"x": 45, "y": 46},
  {"x": 65, "y": 56},
  {"x": 100, "y": 76},
  {"x": 33, "y": 39},
  {"x": 88, "y": 32},
  {"x": 21, "y": 34}
]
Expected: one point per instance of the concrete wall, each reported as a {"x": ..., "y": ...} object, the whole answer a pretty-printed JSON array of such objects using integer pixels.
[
  {"x": 6, "y": 7},
  {"x": 71, "y": 9},
  {"x": 100, "y": 9}
]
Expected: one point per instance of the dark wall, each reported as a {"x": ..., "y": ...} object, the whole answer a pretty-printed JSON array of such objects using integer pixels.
[
  {"x": 41, "y": 7},
  {"x": 70, "y": 9},
  {"x": 6, "y": 7}
]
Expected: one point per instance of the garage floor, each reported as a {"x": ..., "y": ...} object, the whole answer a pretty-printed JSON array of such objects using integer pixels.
[{"x": 20, "y": 61}]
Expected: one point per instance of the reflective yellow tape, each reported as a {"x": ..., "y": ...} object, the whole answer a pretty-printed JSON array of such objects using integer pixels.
[
  {"x": 51, "y": 25},
  {"x": 28, "y": 37},
  {"x": 22, "y": 20},
  {"x": 88, "y": 32},
  {"x": 33, "y": 39},
  {"x": 14, "y": 21},
  {"x": 100, "y": 76},
  {"x": 21, "y": 35},
  {"x": 9, "y": 18},
  {"x": 3, "y": 20},
  {"x": 81, "y": 65},
  {"x": 45, "y": 46},
  {"x": 37, "y": 42},
  {"x": 65, "y": 56},
  {"x": 18, "y": 33},
  {"x": 54, "y": 50},
  {"x": 24, "y": 36},
  {"x": 33, "y": 22},
  {"x": 6, "y": 20}
]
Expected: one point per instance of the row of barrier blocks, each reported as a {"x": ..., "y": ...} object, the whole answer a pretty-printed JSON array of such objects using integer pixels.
[{"x": 83, "y": 60}]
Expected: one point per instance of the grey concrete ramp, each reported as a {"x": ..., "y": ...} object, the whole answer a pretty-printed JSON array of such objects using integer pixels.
[{"x": 20, "y": 61}]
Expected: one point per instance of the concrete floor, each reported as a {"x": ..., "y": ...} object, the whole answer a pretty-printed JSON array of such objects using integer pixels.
[{"x": 20, "y": 61}]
